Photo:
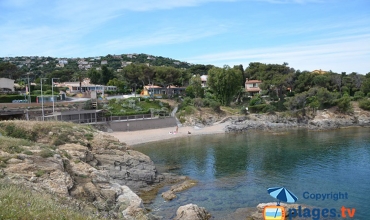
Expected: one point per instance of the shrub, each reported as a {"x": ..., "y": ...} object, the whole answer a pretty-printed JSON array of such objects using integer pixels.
[
  {"x": 344, "y": 104},
  {"x": 40, "y": 173},
  {"x": 189, "y": 110},
  {"x": 257, "y": 108},
  {"x": 45, "y": 153},
  {"x": 365, "y": 104},
  {"x": 198, "y": 102},
  {"x": 14, "y": 131},
  {"x": 215, "y": 105},
  {"x": 358, "y": 95}
]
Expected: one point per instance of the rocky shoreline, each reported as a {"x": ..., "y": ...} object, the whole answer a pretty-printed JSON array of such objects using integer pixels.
[{"x": 323, "y": 120}]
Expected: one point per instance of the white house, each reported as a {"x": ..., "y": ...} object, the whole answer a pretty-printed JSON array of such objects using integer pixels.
[
  {"x": 6, "y": 84},
  {"x": 204, "y": 80}
]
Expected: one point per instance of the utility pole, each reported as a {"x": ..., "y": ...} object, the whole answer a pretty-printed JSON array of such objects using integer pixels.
[
  {"x": 52, "y": 91},
  {"x": 42, "y": 101},
  {"x": 29, "y": 88}
]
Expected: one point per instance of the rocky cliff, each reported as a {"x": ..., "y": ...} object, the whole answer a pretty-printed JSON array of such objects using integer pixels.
[
  {"x": 320, "y": 120},
  {"x": 80, "y": 163}
]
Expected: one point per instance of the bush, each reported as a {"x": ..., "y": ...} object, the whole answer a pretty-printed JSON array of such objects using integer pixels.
[
  {"x": 215, "y": 105},
  {"x": 10, "y": 98},
  {"x": 16, "y": 132},
  {"x": 358, "y": 95},
  {"x": 257, "y": 108},
  {"x": 365, "y": 104},
  {"x": 344, "y": 104},
  {"x": 45, "y": 153},
  {"x": 189, "y": 110},
  {"x": 198, "y": 102}
]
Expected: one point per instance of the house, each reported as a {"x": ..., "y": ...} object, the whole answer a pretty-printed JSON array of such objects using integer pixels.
[
  {"x": 252, "y": 86},
  {"x": 319, "y": 71},
  {"x": 152, "y": 89},
  {"x": 204, "y": 80},
  {"x": 158, "y": 90},
  {"x": 74, "y": 87},
  {"x": 6, "y": 84},
  {"x": 175, "y": 90},
  {"x": 104, "y": 62}
]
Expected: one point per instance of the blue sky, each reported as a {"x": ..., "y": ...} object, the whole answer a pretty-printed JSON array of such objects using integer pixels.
[{"x": 307, "y": 34}]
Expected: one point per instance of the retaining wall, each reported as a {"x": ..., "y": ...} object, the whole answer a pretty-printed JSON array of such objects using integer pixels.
[{"x": 144, "y": 124}]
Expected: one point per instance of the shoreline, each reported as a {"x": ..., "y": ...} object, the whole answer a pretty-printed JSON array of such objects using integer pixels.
[{"x": 133, "y": 138}]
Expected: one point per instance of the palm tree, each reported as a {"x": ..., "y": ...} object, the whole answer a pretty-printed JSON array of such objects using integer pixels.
[{"x": 79, "y": 76}]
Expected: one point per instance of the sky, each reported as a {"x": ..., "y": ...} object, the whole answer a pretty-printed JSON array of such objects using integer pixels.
[{"x": 307, "y": 34}]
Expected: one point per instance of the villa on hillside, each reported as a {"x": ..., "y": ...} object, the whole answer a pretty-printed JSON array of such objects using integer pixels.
[
  {"x": 204, "y": 79},
  {"x": 158, "y": 90},
  {"x": 74, "y": 87},
  {"x": 319, "y": 71},
  {"x": 252, "y": 86}
]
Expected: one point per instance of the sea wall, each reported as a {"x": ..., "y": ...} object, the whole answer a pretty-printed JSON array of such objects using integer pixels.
[{"x": 135, "y": 125}]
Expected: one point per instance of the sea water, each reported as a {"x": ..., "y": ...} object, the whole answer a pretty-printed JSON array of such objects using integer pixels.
[{"x": 235, "y": 170}]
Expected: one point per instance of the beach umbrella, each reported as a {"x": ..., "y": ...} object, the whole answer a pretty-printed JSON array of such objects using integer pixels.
[{"x": 282, "y": 194}]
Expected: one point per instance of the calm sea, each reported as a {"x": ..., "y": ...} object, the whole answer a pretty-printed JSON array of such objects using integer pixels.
[{"x": 235, "y": 170}]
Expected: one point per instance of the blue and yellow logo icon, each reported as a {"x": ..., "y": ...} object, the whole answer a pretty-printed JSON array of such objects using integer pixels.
[{"x": 274, "y": 213}]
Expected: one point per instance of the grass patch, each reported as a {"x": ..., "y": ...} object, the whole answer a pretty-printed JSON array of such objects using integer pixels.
[
  {"x": 13, "y": 145},
  {"x": 89, "y": 136},
  {"x": 66, "y": 154},
  {"x": 45, "y": 153},
  {"x": 3, "y": 161},
  {"x": 20, "y": 203},
  {"x": 12, "y": 130},
  {"x": 27, "y": 152},
  {"x": 40, "y": 173}
]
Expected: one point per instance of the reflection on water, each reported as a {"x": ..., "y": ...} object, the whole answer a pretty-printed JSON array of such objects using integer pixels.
[{"x": 235, "y": 170}]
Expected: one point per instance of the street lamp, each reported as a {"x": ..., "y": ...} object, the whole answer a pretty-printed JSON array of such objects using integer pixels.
[
  {"x": 42, "y": 100},
  {"x": 52, "y": 91}
]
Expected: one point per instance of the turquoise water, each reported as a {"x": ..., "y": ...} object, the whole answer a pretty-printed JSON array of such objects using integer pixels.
[{"x": 235, "y": 170}]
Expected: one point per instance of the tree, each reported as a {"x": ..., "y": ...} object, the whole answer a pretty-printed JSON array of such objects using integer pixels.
[
  {"x": 106, "y": 74},
  {"x": 224, "y": 82},
  {"x": 94, "y": 76},
  {"x": 196, "y": 84},
  {"x": 167, "y": 76},
  {"x": 79, "y": 76},
  {"x": 121, "y": 85},
  {"x": 9, "y": 70},
  {"x": 132, "y": 74}
]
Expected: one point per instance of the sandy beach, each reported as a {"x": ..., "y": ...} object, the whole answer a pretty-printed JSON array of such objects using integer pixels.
[{"x": 145, "y": 136}]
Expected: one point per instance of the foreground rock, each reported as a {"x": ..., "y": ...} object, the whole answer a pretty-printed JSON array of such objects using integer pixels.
[
  {"x": 192, "y": 212},
  {"x": 80, "y": 164}
]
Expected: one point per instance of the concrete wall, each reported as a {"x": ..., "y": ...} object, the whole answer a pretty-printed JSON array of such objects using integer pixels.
[{"x": 143, "y": 124}]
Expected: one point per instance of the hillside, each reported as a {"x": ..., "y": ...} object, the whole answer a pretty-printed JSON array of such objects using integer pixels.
[{"x": 40, "y": 65}]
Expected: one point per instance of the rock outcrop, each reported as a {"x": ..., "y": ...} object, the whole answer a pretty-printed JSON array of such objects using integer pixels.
[
  {"x": 192, "y": 212},
  {"x": 83, "y": 165},
  {"x": 322, "y": 120}
]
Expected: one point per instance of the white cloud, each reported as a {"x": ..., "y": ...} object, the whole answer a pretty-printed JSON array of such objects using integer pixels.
[{"x": 337, "y": 54}]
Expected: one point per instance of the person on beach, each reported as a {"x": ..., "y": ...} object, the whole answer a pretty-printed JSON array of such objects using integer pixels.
[{"x": 177, "y": 129}]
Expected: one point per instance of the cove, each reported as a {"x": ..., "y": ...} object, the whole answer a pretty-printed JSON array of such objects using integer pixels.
[{"x": 234, "y": 170}]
